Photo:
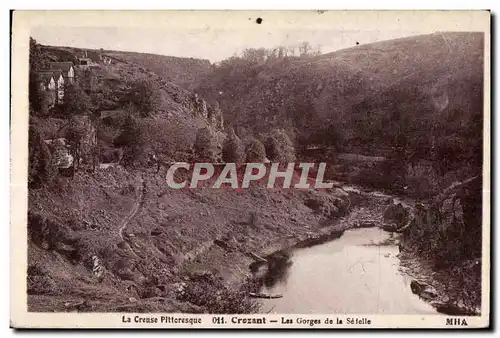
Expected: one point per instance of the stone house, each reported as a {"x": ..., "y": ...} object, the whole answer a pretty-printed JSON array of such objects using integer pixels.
[
  {"x": 67, "y": 70},
  {"x": 47, "y": 86}
]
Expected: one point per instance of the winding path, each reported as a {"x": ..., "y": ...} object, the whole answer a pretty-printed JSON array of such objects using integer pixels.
[{"x": 132, "y": 213}]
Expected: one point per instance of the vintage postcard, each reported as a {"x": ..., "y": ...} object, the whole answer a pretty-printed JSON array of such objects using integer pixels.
[{"x": 250, "y": 169}]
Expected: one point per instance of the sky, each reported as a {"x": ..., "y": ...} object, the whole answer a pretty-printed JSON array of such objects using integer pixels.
[{"x": 212, "y": 43}]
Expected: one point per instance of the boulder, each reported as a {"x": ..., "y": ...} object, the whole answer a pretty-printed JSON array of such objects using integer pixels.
[
  {"x": 326, "y": 205},
  {"x": 396, "y": 216},
  {"x": 423, "y": 290}
]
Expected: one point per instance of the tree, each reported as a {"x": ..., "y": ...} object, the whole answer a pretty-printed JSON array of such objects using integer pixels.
[
  {"x": 144, "y": 95},
  {"x": 255, "y": 151},
  {"x": 40, "y": 169},
  {"x": 132, "y": 140},
  {"x": 305, "y": 48},
  {"x": 254, "y": 55},
  {"x": 81, "y": 134},
  {"x": 205, "y": 146},
  {"x": 75, "y": 101},
  {"x": 279, "y": 147},
  {"x": 46, "y": 102},
  {"x": 36, "y": 62},
  {"x": 233, "y": 150},
  {"x": 166, "y": 140}
]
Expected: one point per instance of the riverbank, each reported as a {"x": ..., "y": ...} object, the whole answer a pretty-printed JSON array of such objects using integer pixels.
[
  {"x": 150, "y": 240},
  {"x": 452, "y": 288},
  {"x": 177, "y": 250}
]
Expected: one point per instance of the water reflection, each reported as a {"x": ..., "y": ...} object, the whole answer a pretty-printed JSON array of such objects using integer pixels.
[
  {"x": 357, "y": 273},
  {"x": 278, "y": 270}
]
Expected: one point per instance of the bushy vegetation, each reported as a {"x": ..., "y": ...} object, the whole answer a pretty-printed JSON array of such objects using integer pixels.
[
  {"x": 40, "y": 169},
  {"x": 378, "y": 99},
  {"x": 205, "y": 146},
  {"x": 144, "y": 96},
  {"x": 75, "y": 101},
  {"x": 233, "y": 150},
  {"x": 132, "y": 140},
  {"x": 279, "y": 147},
  {"x": 146, "y": 139},
  {"x": 36, "y": 62},
  {"x": 211, "y": 294},
  {"x": 255, "y": 151}
]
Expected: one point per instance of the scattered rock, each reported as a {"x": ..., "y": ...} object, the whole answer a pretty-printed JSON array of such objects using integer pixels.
[
  {"x": 156, "y": 232},
  {"x": 132, "y": 299},
  {"x": 396, "y": 215},
  {"x": 423, "y": 290},
  {"x": 326, "y": 205},
  {"x": 366, "y": 224},
  {"x": 452, "y": 309},
  {"x": 416, "y": 287},
  {"x": 222, "y": 244}
]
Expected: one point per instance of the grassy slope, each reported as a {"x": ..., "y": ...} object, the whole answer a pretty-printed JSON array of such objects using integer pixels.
[
  {"x": 173, "y": 236},
  {"x": 178, "y": 70},
  {"x": 174, "y": 231},
  {"x": 112, "y": 83},
  {"x": 184, "y": 72},
  {"x": 345, "y": 84}
]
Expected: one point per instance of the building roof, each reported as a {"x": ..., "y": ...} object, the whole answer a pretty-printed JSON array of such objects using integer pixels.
[
  {"x": 64, "y": 66},
  {"x": 55, "y": 73},
  {"x": 45, "y": 77}
]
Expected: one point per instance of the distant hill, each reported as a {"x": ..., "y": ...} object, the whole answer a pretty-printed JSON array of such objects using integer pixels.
[
  {"x": 185, "y": 72},
  {"x": 366, "y": 92}
]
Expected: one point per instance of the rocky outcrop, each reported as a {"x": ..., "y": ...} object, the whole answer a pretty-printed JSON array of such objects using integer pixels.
[
  {"x": 395, "y": 216},
  {"x": 449, "y": 227},
  {"x": 328, "y": 205},
  {"x": 60, "y": 150},
  {"x": 423, "y": 290}
]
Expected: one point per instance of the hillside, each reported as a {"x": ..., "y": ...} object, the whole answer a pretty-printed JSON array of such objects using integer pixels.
[
  {"x": 109, "y": 90},
  {"x": 184, "y": 72},
  {"x": 150, "y": 239},
  {"x": 110, "y": 235},
  {"x": 420, "y": 94}
]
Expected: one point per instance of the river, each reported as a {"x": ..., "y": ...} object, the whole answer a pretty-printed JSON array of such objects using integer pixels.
[{"x": 357, "y": 273}]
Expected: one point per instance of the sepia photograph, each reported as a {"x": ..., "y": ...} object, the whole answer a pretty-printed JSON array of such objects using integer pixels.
[{"x": 266, "y": 168}]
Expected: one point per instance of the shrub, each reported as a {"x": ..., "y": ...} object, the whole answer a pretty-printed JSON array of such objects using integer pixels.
[
  {"x": 255, "y": 151},
  {"x": 212, "y": 295},
  {"x": 233, "y": 150},
  {"x": 132, "y": 140},
  {"x": 144, "y": 95},
  {"x": 40, "y": 169},
  {"x": 205, "y": 146},
  {"x": 164, "y": 139},
  {"x": 279, "y": 147},
  {"x": 75, "y": 101}
]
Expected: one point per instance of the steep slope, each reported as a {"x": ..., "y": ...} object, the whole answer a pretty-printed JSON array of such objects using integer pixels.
[
  {"x": 150, "y": 239},
  {"x": 415, "y": 74},
  {"x": 184, "y": 72}
]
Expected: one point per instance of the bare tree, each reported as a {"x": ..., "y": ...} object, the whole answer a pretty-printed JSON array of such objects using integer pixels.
[{"x": 304, "y": 48}]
